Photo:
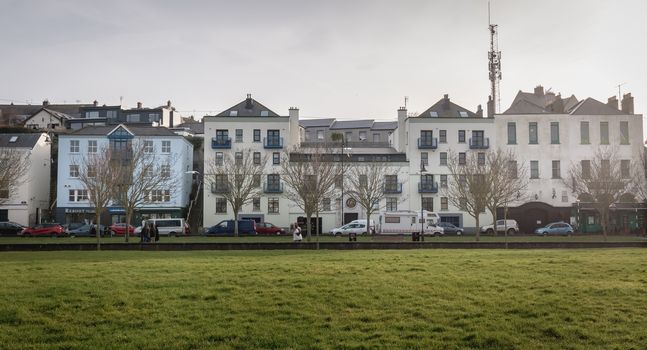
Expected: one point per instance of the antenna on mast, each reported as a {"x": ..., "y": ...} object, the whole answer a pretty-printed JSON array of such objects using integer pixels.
[
  {"x": 619, "y": 91},
  {"x": 406, "y": 99},
  {"x": 494, "y": 66}
]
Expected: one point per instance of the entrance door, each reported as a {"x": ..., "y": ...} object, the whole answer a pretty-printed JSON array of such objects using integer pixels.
[
  {"x": 348, "y": 217},
  {"x": 4, "y": 214}
]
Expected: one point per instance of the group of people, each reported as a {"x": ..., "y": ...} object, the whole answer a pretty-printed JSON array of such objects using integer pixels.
[
  {"x": 296, "y": 232},
  {"x": 149, "y": 232}
]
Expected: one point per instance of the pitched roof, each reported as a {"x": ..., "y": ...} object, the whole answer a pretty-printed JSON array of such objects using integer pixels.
[
  {"x": 352, "y": 124},
  {"x": 444, "y": 108},
  {"x": 137, "y": 130},
  {"x": 385, "y": 126},
  {"x": 69, "y": 109},
  {"x": 249, "y": 107},
  {"x": 195, "y": 127},
  {"x": 313, "y": 123},
  {"x": 21, "y": 140},
  {"x": 549, "y": 103},
  {"x": 591, "y": 106}
]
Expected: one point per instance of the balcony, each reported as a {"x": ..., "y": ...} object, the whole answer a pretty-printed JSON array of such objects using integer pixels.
[
  {"x": 220, "y": 142},
  {"x": 273, "y": 142},
  {"x": 428, "y": 143},
  {"x": 480, "y": 143},
  {"x": 273, "y": 188},
  {"x": 392, "y": 188},
  {"x": 428, "y": 187},
  {"x": 219, "y": 188}
]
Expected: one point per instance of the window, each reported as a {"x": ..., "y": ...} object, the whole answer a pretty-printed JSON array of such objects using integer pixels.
[
  {"x": 276, "y": 158},
  {"x": 462, "y": 203},
  {"x": 443, "y": 158},
  {"x": 442, "y": 136},
  {"x": 165, "y": 171},
  {"x": 478, "y": 138},
  {"x": 461, "y": 136},
  {"x": 604, "y": 133},
  {"x": 256, "y": 180},
  {"x": 512, "y": 169},
  {"x": 391, "y": 204},
  {"x": 532, "y": 133},
  {"x": 624, "y": 168},
  {"x": 338, "y": 181},
  {"x": 273, "y": 205},
  {"x": 256, "y": 204},
  {"x": 392, "y": 219},
  {"x": 257, "y": 135},
  {"x": 481, "y": 158},
  {"x": 463, "y": 114},
  {"x": 148, "y": 146},
  {"x": 461, "y": 158},
  {"x": 221, "y": 205},
  {"x": 239, "y": 158},
  {"x": 557, "y": 174},
  {"x": 71, "y": 196},
  {"x": 111, "y": 114},
  {"x": 92, "y": 114},
  {"x": 239, "y": 135},
  {"x": 512, "y": 133},
  {"x": 274, "y": 182},
  {"x": 624, "y": 133},
  {"x": 160, "y": 196},
  {"x": 132, "y": 118},
  {"x": 92, "y": 171},
  {"x": 326, "y": 204},
  {"x": 233, "y": 113},
  {"x": 586, "y": 169},
  {"x": 265, "y": 113},
  {"x": 426, "y": 137},
  {"x": 92, "y": 146},
  {"x": 74, "y": 170},
  {"x": 81, "y": 195},
  {"x": 320, "y": 135},
  {"x": 564, "y": 197},
  {"x": 424, "y": 158},
  {"x": 443, "y": 181},
  {"x": 444, "y": 203},
  {"x": 584, "y": 133},
  {"x": 154, "y": 117},
  {"x": 554, "y": 133},
  {"x": 257, "y": 158},
  {"x": 376, "y": 137},
  {"x": 219, "y": 158},
  {"x": 462, "y": 180},
  {"x": 428, "y": 203},
  {"x": 74, "y": 146},
  {"x": 166, "y": 146},
  {"x": 362, "y": 135},
  {"x": 348, "y": 136},
  {"x": 363, "y": 180},
  {"x": 534, "y": 169},
  {"x": 605, "y": 167},
  {"x": 433, "y": 114}
]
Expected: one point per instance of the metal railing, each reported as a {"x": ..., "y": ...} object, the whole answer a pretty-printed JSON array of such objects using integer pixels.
[
  {"x": 220, "y": 142},
  {"x": 273, "y": 142},
  {"x": 392, "y": 187},
  {"x": 428, "y": 143},
  {"x": 273, "y": 188},
  {"x": 480, "y": 143},
  {"x": 427, "y": 187}
]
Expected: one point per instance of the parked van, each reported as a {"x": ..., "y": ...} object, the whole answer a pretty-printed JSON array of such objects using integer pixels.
[
  {"x": 226, "y": 227},
  {"x": 167, "y": 227},
  {"x": 408, "y": 222},
  {"x": 363, "y": 222}
]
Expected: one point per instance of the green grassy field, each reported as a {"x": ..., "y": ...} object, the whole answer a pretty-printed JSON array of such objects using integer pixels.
[
  {"x": 444, "y": 299},
  {"x": 328, "y": 238}
]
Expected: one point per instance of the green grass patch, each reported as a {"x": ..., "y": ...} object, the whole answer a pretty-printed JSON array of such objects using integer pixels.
[{"x": 440, "y": 299}]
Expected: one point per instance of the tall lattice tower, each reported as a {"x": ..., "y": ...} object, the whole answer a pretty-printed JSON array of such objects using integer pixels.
[{"x": 494, "y": 59}]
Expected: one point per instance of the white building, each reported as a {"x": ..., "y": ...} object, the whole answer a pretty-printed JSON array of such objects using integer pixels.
[
  {"x": 48, "y": 119},
  {"x": 171, "y": 151},
  {"x": 27, "y": 205}
]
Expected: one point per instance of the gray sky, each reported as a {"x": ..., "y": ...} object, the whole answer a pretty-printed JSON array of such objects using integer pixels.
[{"x": 345, "y": 59}]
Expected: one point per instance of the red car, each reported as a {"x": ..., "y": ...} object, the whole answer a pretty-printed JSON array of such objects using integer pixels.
[
  {"x": 44, "y": 230},
  {"x": 267, "y": 228},
  {"x": 120, "y": 229}
]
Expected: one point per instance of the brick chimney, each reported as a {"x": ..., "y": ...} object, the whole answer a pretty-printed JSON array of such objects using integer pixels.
[
  {"x": 490, "y": 107},
  {"x": 627, "y": 103},
  {"x": 168, "y": 104},
  {"x": 612, "y": 102},
  {"x": 139, "y": 105},
  {"x": 539, "y": 90},
  {"x": 558, "y": 105},
  {"x": 95, "y": 103},
  {"x": 446, "y": 102},
  {"x": 479, "y": 111},
  {"x": 45, "y": 103},
  {"x": 249, "y": 103}
]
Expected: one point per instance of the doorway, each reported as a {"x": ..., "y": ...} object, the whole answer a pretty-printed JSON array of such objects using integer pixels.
[{"x": 348, "y": 217}]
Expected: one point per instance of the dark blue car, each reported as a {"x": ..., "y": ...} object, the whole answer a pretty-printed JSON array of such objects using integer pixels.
[{"x": 226, "y": 228}]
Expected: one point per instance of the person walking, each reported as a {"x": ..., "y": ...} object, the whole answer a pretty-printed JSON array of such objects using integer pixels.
[
  {"x": 296, "y": 232},
  {"x": 144, "y": 234},
  {"x": 157, "y": 232}
]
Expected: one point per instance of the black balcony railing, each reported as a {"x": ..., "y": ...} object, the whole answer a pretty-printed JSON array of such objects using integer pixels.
[
  {"x": 479, "y": 143},
  {"x": 219, "y": 188},
  {"x": 221, "y": 142},
  {"x": 273, "y": 142},
  {"x": 273, "y": 188},
  {"x": 392, "y": 187},
  {"x": 428, "y": 143},
  {"x": 427, "y": 187}
]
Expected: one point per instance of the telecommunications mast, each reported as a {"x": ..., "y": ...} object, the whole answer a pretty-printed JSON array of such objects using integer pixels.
[{"x": 494, "y": 64}]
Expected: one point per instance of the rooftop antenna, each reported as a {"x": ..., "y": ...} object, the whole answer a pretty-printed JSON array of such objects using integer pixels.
[
  {"x": 619, "y": 86},
  {"x": 494, "y": 63},
  {"x": 406, "y": 99}
]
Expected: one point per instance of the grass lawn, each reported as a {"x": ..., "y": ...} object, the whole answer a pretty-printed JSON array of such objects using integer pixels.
[
  {"x": 444, "y": 299},
  {"x": 328, "y": 238}
]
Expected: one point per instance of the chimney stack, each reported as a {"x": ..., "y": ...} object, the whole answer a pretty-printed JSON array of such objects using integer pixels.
[
  {"x": 627, "y": 103},
  {"x": 446, "y": 102},
  {"x": 613, "y": 102},
  {"x": 539, "y": 90},
  {"x": 45, "y": 103},
  {"x": 139, "y": 105},
  {"x": 479, "y": 111},
  {"x": 249, "y": 102},
  {"x": 490, "y": 107},
  {"x": 168, "y": 104},
  {"x": 558, "y": 105}
]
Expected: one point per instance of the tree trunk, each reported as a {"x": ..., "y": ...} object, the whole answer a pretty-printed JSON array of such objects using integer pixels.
[
  {"x": 496, "y": 231},
  {"x": 308, "y": 224},
  {"x": 129, "y": 217},
  {"x": 478, "y": 227},
  {"x": 96, "y": 230},
  {"x": 235, "y": 223},
  {"x": 317, "y": 233},
  {"x": 604, "y": 220},
  {"x": 368, "y": 224}
]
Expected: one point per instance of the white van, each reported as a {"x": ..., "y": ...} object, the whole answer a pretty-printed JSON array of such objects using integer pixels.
[
  {"x": 407, "y": 222},
  {"x": 363, "y": 222},
  {"x": 169, "y": 227}
]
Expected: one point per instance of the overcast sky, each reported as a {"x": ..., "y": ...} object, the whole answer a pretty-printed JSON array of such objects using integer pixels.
[{"x": 344, "y": 59}]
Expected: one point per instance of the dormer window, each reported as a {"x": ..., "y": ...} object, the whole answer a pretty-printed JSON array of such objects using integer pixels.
[
  {"x": 264, "y": 113},
  {"x": 433, "y": 114},
  {"x": 233, "y": 113},
  {"x": 463, "y": 114},
  {"x": 13, "y": 139}
]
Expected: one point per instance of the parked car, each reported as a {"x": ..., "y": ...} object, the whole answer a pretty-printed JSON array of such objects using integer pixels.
[
  {"x": 86, "y": 230},
  {"x": 363, "y": 221},
  {"x": 268, "y": 228},
  {"x": 51, "y": 229},
  {"x": 356, "y": 228},
  {"x": 74, "y": 225},
  {"x": 168, "y": 227},
  {"x": 501, "y": 226},
  {"x": 120, "y": 229},
  {"x": 450, "y": 228},
  {"x": 226, "y": 227},
  {"x": 555, "y": 228},
  {"x": 9, "y": 228}
]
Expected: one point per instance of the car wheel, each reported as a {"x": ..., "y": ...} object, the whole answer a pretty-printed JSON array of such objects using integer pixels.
[
  {"x": 459, "y": 233},
  {"x": 112, "y": 233},
  {"x": 363, "y": 233},
  {"x": 490, "y": 231},
  {"x": 510, "y": 231}
]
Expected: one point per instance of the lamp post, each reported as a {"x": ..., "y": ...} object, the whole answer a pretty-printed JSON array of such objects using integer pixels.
[
  {"x": 343, "y": 148},
  {"x": 577, "y": 215},
  {"x": 197, "y": 193},
  {"x": 422, "y": 207}
]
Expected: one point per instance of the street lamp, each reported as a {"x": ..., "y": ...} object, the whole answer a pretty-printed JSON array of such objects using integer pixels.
[
  {"x": 197, "y": 193},
  {"x": 577, "y": 214},
  {"x": 422, "y": 207},
  {"x": 343, "y": 148}
]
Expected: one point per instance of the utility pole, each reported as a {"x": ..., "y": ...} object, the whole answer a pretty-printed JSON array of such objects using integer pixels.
[{"x": 494, "y": 64}]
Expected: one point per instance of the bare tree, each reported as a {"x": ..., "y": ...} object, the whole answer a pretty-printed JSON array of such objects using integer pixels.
[
  {"x": 507, "y": 179},
  {"x": 100, "y": 177},
  {"x": 140, "y": 177},
  {"x": 370, "y": 182},
  {"x": 13, "y": 172},
  {"x": 470, "y": 187},
  {"x": 310, "y": 177},
  {"x": 603, "y": 179},
  {"x": 236, "y": 178}
]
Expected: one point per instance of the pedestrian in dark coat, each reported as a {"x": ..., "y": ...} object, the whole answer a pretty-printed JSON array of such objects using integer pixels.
[
  {"x": 157, "y": 232},
  {"x": 144, "y": 234}
]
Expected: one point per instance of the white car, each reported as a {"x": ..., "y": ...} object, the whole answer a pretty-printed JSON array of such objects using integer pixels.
[
  {"x": 501, "y": 226},
  {"x": 357, "y": 228}
]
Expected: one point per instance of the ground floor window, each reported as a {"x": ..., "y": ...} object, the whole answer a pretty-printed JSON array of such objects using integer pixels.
[
  {"x": 428, "y": 203},
  {"x": 221, "y": 205},
  {"x": 273, "y": 205},
  {"x": 256, "y": 204},
  {"x": 391, "y": 204},
  {"x": 444, "y": 203}
]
